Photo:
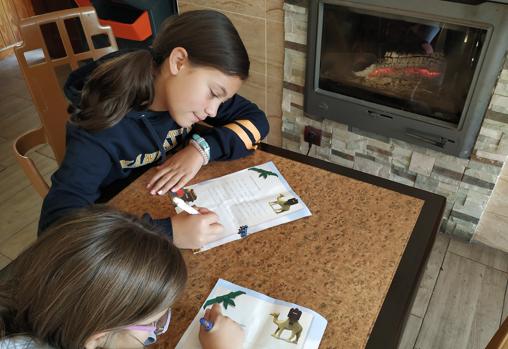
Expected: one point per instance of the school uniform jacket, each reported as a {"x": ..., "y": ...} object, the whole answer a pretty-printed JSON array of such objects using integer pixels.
[{"x": 102, "y": 162}]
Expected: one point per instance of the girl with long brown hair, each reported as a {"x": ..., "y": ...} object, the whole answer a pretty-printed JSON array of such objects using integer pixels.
[
  {"x": 98, "y": 278},
  {"x": 134, "y": 110}
]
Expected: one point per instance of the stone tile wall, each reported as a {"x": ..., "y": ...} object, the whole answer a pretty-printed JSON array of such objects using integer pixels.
[{"x": 466, "y": 183}]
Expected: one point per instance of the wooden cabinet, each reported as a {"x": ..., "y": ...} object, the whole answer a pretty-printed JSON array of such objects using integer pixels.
[{"x": 11, "y": 11}]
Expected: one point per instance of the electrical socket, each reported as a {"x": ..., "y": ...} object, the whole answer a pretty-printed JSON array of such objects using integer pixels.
[{"x": 312, "y": 135}]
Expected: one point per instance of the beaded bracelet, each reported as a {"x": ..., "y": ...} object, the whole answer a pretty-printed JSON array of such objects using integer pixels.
[
  {"x": 203, "y": 152},
  {"x": 202, "y": 143}
]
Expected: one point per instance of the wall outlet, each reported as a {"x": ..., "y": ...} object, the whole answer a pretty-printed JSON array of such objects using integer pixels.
[{"x": 312, "y": 135}]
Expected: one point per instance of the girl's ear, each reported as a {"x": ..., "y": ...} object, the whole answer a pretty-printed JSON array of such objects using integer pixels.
[
  {"x": 177, "y": 59},
  {"x": 96, "y": 340}
]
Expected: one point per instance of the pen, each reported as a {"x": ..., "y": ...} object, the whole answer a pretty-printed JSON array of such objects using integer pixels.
[
  {"x": 184, "y": 206},
  {"x": 207, "y": 325}
]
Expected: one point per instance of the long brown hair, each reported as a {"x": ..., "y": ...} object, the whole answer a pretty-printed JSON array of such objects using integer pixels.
[
  {"x": 126, "y": 82},
  {"x": 96, "y": 270}
]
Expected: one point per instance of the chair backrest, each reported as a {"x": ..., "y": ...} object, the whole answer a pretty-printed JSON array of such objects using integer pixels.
[{"x": 53, "y": 45}]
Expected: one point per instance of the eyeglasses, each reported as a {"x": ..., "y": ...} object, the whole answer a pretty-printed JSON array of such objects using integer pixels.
[{"x": 158, "y": 327}]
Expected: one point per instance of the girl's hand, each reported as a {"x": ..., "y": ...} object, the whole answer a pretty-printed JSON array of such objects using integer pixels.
[
  {"x": 225, "y": 334},
  {"x": 194, "y": 231},
  {"x": 177, "y": 171}
]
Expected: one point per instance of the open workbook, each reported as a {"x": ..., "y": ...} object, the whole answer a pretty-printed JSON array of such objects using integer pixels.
[
  {"x": 247, "y": 201},
  {"x": 268, "y": 323}
]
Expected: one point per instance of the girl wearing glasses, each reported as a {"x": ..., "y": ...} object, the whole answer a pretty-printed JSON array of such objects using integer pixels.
[{"x": 98, "y": 279}]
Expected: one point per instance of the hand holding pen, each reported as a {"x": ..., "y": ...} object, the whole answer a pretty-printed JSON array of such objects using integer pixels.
[
  {"x": 184, "y": 206},
  {"x": 195, "y": 227},
  {"x": 206, "y": 324},
  {"x": 218, "y": 331}
]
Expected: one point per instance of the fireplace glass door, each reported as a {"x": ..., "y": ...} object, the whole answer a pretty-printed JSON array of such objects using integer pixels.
[{"x": 423, "y": 67}]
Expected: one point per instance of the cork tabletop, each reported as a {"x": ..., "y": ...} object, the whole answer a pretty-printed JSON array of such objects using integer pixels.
[{"x": 340, "y": 262}]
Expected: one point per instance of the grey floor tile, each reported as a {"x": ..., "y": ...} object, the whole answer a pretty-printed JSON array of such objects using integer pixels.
[
  {"x": 4, "y": 261},
  {"x": 480, "y": 253},
  {"x": 9, "y": 68},
  {"x": 488, "y": 310},
  {"x": 14, "y": 179},
  {"x": 13, "y": 104},
  {"x": 15, "y": 86},
  {"x": 410, "y": 332},
  {"x": 14, "y": 125},
  {"x": 19, "y": 241},
  {"x": 465, "y": 307},
  {"x": 505, "y": 307},
  {"x": 6, "y": 153},
  {"x": 430, "y": 275},
  {"x": 492, "y": 230},
  {"x": 21, "y": 209},
  {"x": 46, "y": 151}
]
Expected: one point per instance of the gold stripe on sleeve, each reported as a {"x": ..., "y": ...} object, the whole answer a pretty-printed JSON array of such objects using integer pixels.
[
  {"x": 252, "y": 129},
  {"x": 240, "y": 132}
]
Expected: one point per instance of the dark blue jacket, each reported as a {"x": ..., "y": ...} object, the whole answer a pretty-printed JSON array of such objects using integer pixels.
[{"x": 99, "y": 164}]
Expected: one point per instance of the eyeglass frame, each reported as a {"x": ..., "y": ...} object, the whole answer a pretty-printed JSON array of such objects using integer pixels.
[{"x": 153, "y": 328}]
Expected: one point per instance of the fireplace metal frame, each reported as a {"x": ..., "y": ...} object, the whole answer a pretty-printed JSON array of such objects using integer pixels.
[{"x": 418, "y": 129}]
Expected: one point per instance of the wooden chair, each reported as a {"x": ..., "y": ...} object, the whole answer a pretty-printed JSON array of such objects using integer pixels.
[
  {"x": 500, "y": 339},
  {"x": 67, "y": 39}
]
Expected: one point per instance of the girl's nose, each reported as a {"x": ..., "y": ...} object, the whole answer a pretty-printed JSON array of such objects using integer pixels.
[{"x": 211, "y": 108}]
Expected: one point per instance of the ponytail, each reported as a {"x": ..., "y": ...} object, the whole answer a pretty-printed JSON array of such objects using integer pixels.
[{"x": 114, "y": 88}]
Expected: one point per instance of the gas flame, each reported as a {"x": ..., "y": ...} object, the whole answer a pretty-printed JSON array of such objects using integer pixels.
[{"x": 411, "y": 71}]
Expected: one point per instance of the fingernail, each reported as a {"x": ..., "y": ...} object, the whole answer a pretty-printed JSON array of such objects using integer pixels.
[
  {"x": 159, "y": 192},
  {"x": 152, "y": 192}
]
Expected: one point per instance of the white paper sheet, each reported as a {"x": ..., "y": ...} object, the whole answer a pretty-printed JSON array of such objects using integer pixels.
[
  {"x": 258, "y": 197},
  {"x": 252, "y": 310}
]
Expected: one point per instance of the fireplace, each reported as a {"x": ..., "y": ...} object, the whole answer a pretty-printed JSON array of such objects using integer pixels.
[
  {"x": 367, "y": 129},
  {"x": 419, "y": 71}
]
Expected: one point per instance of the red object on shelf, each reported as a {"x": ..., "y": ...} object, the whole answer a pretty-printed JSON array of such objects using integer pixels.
[
  {"x": 139, "y": 30},
  {"x": 83, "y": 3}
]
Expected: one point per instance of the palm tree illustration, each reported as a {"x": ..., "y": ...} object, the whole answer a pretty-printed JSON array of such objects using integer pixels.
[
  {"x": 263, "y": 173},
  {"x": 226, "y": 299}
]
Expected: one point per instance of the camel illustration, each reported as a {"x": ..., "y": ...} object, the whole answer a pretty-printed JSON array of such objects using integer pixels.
[
  {"x": 282, "y": 204},
  {"x": 290, "y": 324}
]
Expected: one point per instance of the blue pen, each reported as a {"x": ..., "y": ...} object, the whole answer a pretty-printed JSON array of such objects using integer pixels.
[{"x": 207, "y": 325}]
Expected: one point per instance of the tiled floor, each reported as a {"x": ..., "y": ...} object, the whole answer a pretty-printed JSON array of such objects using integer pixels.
[
  {"x": 19, "y": 203},
  {"x": 462, "y": 298}
]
